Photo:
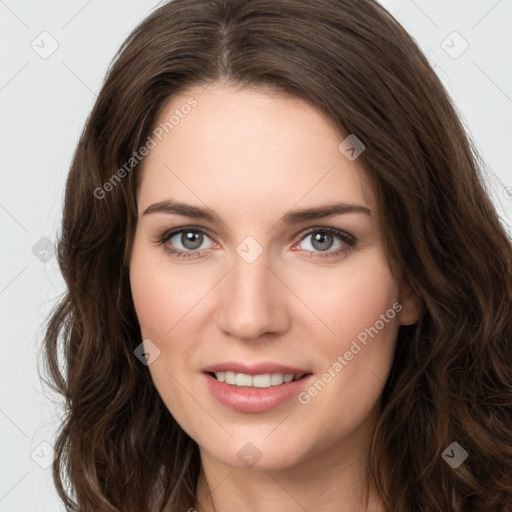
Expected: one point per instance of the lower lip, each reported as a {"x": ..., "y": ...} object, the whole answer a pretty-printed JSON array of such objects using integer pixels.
[{"x": 245, "y": 399}]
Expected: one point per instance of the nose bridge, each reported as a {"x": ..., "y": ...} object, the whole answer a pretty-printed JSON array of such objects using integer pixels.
[{"x": 252, "y": 302}]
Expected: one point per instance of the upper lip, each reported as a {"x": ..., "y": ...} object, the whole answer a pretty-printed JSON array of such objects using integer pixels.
[{"x": 254, "y": 368}]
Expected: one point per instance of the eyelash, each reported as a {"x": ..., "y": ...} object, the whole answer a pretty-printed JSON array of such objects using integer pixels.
[{"x": 346, "y": 238}]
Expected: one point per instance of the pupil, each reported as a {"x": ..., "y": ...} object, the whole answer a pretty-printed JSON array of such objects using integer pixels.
[
  {"x": 191, "y": 240},
  {"x": 322, "y": 238}
]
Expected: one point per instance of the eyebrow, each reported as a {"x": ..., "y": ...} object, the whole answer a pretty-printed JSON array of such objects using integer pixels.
[{"x": 291, "y": 217}]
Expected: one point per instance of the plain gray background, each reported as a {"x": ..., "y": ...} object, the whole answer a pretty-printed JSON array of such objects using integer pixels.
[{"x": 45, "y": 98}]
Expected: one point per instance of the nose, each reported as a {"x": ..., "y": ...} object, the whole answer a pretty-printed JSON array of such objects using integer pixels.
[{"x": 252, "y": 301}]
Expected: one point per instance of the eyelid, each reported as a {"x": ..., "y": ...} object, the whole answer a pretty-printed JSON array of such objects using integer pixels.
[
  {"x": 168, "y": 234},
  {"x": 346, "y": 237}
]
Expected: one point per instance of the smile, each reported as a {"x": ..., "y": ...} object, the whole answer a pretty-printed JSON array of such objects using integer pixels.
[
  {"x": 255, "y": 393},
  {"x": 264, "y": 380}
]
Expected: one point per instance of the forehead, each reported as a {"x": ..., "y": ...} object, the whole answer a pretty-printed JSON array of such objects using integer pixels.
[{"x": 248, "y": 149}]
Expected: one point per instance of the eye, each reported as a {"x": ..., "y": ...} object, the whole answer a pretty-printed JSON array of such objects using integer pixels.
[
  {"x": 323, "y": 239},
  {"x": 184, "y": 242},
  {"x": 187, "y": 242}
]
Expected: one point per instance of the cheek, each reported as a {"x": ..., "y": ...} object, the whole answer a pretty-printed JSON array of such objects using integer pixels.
[
  {"x": 152, "y": 302},
  {"x": 162, "y": 298},
  {"x": 348, "y": 299},
  {"x": 359, "y": 308},
  {"x": 366, "y": 297},
  {"x": 163, "y": 295}
]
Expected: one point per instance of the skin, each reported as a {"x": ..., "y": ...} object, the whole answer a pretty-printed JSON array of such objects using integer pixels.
[{"x": 252, "y": 156}]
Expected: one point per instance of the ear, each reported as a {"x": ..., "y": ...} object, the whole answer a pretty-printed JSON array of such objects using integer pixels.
[{"x": 411, "y": 309}]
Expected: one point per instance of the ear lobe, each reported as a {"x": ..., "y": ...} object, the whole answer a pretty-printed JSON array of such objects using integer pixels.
[{"x": 410, "y": 302}]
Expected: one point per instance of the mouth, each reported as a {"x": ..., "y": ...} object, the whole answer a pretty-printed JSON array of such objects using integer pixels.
[
  {"x": 255, "y": 393},
  {"x": 264, "y": 380}
]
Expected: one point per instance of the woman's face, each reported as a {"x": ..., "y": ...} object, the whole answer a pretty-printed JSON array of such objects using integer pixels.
[{"x": 252, "y": 286}]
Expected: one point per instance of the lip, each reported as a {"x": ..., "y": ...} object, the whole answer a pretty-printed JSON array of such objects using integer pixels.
[
  {"x": 249, "y": 399},
  {"x": 254, "y": 369}
]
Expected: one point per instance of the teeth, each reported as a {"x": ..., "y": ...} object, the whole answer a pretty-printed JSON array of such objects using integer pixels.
[{"x": 257, "y": 381}]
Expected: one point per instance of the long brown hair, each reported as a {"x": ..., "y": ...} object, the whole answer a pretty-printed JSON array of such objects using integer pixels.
[{"x": 119, "y": 448}]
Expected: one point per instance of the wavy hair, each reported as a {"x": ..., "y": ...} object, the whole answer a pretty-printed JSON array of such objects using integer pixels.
[{"x": 118, "y": 448}]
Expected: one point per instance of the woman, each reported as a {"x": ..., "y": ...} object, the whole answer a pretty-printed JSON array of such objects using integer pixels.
[{"x": 287, "y": 287}]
